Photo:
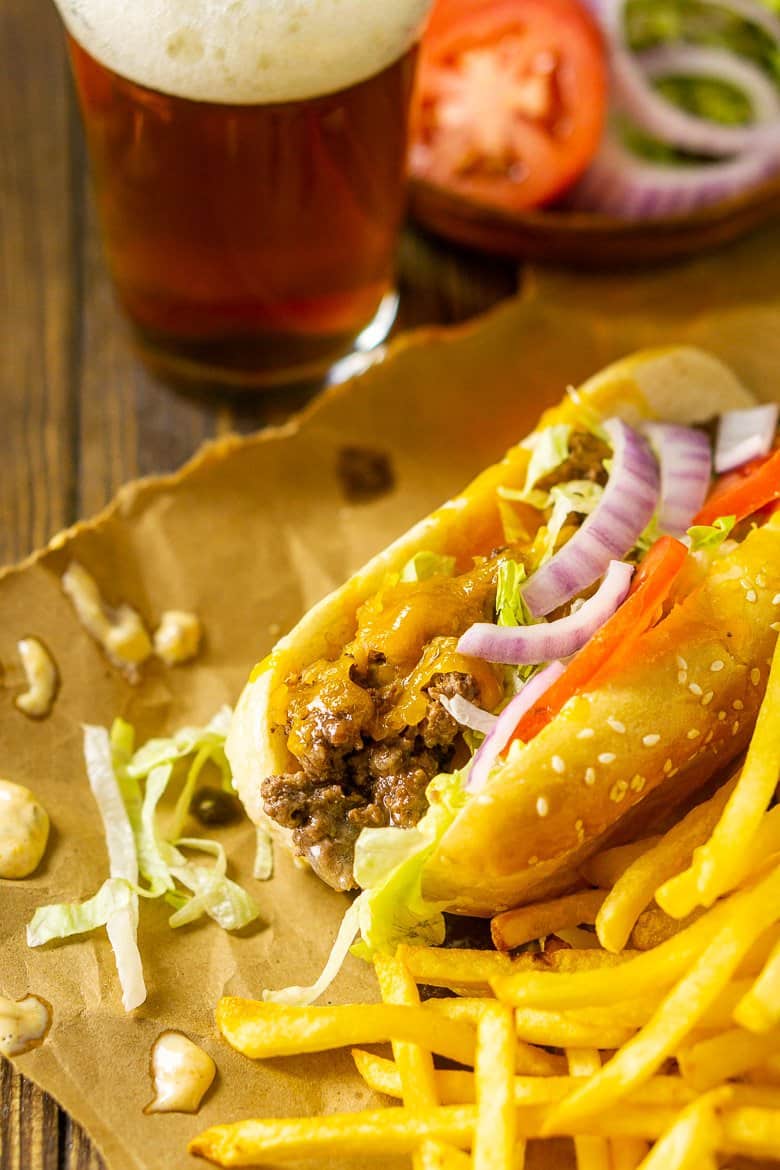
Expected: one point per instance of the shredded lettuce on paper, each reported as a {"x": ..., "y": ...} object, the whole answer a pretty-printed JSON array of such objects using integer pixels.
[{"x": 145, "y": 859}]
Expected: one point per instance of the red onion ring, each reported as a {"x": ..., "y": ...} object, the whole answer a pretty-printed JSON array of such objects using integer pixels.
[
  {"x": 667, "y": 121},
  {"x": 495, "y": 742},
  {"x": 526, "y": 645},
  {"x": 612, "y": 529},
  {"x": 744, "y": 435},
  {"x": 686, "y": 469},
  {"x": 619, "y": 183}
]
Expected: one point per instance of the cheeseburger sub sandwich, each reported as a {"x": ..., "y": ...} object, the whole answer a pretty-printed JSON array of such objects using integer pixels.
[{"x": 555, "y": 658}]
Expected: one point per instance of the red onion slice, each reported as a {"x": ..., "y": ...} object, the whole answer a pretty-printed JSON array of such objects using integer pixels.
[
  {"x": 663, "y": 118},
  {"x": 660, "y": 117},
  {"x": 744, "y": 435},
  {"x": 468, "y": 714},
  {"x": 612, "y": 529},
  {"x": 686, "y": 468},
  {"x": 526, "y": 645},
  {"x": 619, "y": 183},
  {"x": 495, "y": 742}
]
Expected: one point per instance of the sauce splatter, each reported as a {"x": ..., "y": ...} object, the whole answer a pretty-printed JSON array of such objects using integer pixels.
[
  {"x": 23, "y": 1024},
  {"x": 182, "y": 1073},
  {"x": 24, "y": 830},
  {"x": 42, "y": 679},
  {"x": 177, "y": 638}
]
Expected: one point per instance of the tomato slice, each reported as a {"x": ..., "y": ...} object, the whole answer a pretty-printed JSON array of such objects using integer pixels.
[
  {"x": 742, "y": 492},
  {"x": 615, "y": 641},
  {"x": 510, "y": 99}
]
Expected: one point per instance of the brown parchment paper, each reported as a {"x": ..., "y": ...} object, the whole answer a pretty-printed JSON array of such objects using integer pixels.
[{"x": 247, "y": 535}]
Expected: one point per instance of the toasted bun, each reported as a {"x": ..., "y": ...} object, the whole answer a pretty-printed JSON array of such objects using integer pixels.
[
  {"x": 683, "y": 707},
  {"x": 680, "y": 384}
]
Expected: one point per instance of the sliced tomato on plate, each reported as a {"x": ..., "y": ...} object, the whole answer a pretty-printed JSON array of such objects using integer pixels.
[
  {"x": 510, "y": 99},
  {"x": 742, "y": 492},
  {"x": 615, "y": 641}
]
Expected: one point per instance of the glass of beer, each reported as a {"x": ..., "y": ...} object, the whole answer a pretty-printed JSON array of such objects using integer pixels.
[{"x": 249, "y": 163}]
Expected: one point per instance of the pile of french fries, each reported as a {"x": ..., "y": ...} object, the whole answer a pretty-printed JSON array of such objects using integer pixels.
[{"x": 658, "y": 1046}]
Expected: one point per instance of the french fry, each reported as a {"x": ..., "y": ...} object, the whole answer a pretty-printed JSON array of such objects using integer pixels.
[
  {"x": 635, "y": 888},
  {"x": 439, "y": 1156},
  {"x": 263, "y": 1030},
  {"x": 691, "y": 1143},
  {"x": 751, "y": 1131},
  {"x": 456, "y": 968},
  {"x": 386, "y": 1132},
  {"x": 718, "y": 864},
  {"x": 373, "y": 1133},
  {"x": 749, "y": 915},
  {"x": 415, "y": 1064},
  {"x": 592, "y": 1153},
  {"x": 654, "y": 926},
  {"x": 494, "y": 1136},
  {"x": 456, "y": 1087},
  {"x": 627, "y": 1153},
  {"x": 606, "y": 868},
  {"x": 527, "y": 1058},
  {"x": 642, "y": 974},
  {"x": 729, "y": 1054},
  {"x": 571, "y": 1029},
  {"x": 516, "y": 927},
  {"x": 568, "y": 961},
  {"x": 613, "y": 1026},
  {"x": 681, "y": 891},
  {"x": 468, "y": 1008},
  {"x": 759, "y": 1008}
]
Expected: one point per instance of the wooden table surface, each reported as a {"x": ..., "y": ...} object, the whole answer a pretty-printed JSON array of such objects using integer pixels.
[{"x": 79, "y": 414}]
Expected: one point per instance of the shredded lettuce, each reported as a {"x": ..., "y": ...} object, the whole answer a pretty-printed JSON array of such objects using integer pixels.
[
  {"x": 128, "y": 786},
  {"x": 214, "y": 893},
  {"x": 264, "y": 857},
  {"x": 392, "y": 907},
  {"x": 388, "y": 867},
  {"x": 424, "y": 565},
  {"x": 116, "y": 810},
  {"x": 710, "y": 536},
  {"x": 579, "y": 495},
  {"x": 300, "y": 996},
  {"x": 511, "y": 610},
  {"x": 184, "y": 742},
  {"x": 649, "y": 535},
  {"x": 549, "y": 449},
  {"x": 67, "y": 919}
]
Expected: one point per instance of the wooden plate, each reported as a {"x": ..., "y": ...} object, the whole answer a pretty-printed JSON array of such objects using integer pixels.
[{"x": 587, "y": 239}]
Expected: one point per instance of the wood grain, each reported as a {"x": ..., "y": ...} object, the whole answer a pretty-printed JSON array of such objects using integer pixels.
[{"x": 80, "y": 414}]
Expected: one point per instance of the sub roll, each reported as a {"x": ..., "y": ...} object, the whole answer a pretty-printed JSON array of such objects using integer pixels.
[{"x": 579, "y": 640}]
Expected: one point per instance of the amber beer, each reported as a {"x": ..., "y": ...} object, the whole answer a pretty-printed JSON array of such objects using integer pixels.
[{"x": 250, "y": 242}]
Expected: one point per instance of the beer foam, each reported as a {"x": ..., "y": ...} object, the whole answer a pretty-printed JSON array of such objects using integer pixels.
[{"x": 245, "y": 51}]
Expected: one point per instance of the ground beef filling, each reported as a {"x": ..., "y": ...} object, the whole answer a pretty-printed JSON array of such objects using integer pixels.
[
  {"x": 347, "y": 782},
  {"x": 585, "y": 461}
]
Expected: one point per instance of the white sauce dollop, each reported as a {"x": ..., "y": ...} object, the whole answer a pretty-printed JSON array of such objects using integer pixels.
[
  {"x": 120, "y": 631},
  {"x": 182, "y": 1073},
  {"x": 177, "y": 637},
  {"x": 42, "y": 678},
  {"x": 24, "y": 830},
  {"x": 23, "y": 1024}
]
